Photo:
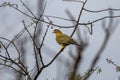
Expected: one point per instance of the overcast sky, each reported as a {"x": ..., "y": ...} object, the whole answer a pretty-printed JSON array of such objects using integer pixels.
[{"x": 10, "y": 21}]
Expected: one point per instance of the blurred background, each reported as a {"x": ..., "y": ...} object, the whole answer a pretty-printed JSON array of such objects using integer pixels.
[{"x": 60, "y": 69}]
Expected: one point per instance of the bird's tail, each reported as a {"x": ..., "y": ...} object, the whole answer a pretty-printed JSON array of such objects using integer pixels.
[{"x": 77, "y": 44}]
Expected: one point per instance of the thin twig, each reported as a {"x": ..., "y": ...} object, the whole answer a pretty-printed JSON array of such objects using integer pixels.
[
  {"x": 108, "y": 34},
  {"x": 34, "y": 44},
  {"x": 101, "y": 10},
  {"x": 42, "y": 45},
  {"x": 81, "y": 10},
  {"x": 27, "y": 8},
  {"x": 48, "y": 63},
  {"x": 74, "y": 1}
]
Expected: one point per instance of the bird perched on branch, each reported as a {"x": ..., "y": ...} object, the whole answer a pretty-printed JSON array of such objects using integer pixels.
[{"x": 63, "y": 39}]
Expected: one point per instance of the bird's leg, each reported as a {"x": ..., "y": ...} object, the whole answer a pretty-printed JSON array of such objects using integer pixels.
[{"x": 63, "y": 46}]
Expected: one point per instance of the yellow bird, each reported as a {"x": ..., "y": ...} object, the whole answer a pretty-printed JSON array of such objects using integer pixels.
[{"x": 63, "y": 39}]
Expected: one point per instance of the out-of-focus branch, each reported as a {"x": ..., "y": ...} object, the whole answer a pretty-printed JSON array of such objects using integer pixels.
[
  {"x": 108, "y": 32},
  {"x": 34, "y": 44},
  {"x": 42, "y": 45},
  {"x": 9, "y": 62},
  {"x": 21, "y": 44},
  {"x": 15, "y": 6},
  {"x": 27, "y": 8},
  {"x": 81, "y": 11},
  {"x": 79, "y": 49},
  {"x": 41, "y": 69}
]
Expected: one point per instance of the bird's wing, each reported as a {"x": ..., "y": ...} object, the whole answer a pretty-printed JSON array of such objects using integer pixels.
[{"x": 64, "y": 39}]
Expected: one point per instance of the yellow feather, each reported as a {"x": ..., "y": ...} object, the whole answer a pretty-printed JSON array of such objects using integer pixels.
[{"x": 63, "y": 39}]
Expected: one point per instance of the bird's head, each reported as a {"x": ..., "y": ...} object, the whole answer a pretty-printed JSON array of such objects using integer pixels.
[{"x": 57, "y": 32}]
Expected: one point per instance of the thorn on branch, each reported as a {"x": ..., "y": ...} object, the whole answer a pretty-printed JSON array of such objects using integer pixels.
[
  {"x": 90, "y": 30},
  {"x": 113, "y": 63}
]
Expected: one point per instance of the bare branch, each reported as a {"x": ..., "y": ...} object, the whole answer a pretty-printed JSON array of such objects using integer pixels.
[
  {"x": 108, "y": 34},
  {"x": 27, "y": 8},
  {"x": 74, "y": 1},
  {"x": 41, "y": 69},
  {"x": 81, "y": 10},
  {"x": 101, "y": 10}
]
